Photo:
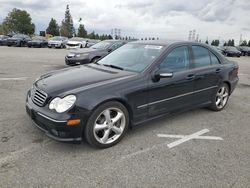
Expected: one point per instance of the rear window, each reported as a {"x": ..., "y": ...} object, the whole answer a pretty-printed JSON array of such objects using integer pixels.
[{"x": 201, "y": 56}]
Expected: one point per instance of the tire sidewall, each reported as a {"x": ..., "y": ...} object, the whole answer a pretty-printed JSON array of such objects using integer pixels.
[
  {"x": 214, "y": 106},
  {"x": 88, "y": 131}
]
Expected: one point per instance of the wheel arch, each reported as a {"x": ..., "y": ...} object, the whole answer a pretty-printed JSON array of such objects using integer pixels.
[
  {"x": 123, "y": 102},
  {"x": 229, "y": 85}
]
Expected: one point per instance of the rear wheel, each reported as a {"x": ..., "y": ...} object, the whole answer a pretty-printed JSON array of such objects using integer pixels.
[
  {"x": 94, "y": 60},
  {"x": 220, "y": 98},
  {"x": 107, "y": 125}
]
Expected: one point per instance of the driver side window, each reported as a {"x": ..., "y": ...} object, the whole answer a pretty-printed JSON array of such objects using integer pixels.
[{"x": 176, "y": 60}]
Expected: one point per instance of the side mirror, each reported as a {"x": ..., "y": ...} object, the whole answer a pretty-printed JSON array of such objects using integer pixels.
[{"x": 162, "y": 74}]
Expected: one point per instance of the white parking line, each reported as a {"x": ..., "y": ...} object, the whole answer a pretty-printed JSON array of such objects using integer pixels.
[
  {"x": 15, "y": 79},
  {"x": 185, "y": 138}
]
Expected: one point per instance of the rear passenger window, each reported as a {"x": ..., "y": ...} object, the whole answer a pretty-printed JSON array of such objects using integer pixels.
[
  {"x": 201, "y": 56},
  {"x": 176, "y": 60},
  {"x": 214, "y": 59}
]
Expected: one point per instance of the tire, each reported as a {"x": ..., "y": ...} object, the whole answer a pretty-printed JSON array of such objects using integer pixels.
[
  {"x": 94, "y": 60},
  {"x": 220, "y": 98},
  {"x": 107, "y": 125}
]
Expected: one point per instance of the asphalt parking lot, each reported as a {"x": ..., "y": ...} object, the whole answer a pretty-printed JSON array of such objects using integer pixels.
[{"x": 146, "y": 157}]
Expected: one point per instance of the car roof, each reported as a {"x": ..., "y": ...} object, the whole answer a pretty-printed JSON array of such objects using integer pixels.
[
  {"x": 167, "y": 42},
  {"x": 113, "y": 41}
]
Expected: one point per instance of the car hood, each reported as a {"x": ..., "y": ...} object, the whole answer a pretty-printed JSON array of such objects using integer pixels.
[
  {"x": 83, "y": 51},
  {"x": 77, "y": 79},
  {"x": 16, "y": 38},
  {"x": 74, "y": 42},
  {"x": 55, "y": 41}
]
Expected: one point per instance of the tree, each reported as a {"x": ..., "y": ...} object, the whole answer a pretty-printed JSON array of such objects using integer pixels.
[
  {"x": 1, "y": 29},
  {"x": 244, "y": 43},
  {"x": 217, "y": 42},
  {"x": 225, "y": 44},
  {"x": 232, "y": 43},
  {"x": 91, "y": 35},
  {"x": 67, "y": 27},
  {"x": 18, "y": 21},
  {"x": 53, "y": 28},
  {"x": 212, "y": 43},
  {"x": 97, "y": 36},
  {"x": 206, "y": 42},
  {"x": 229, "y": 43},
  {"x": 110, "y": 37},
  {"x": 248, "y": 43},
  {"x": 82, "y": 31}
]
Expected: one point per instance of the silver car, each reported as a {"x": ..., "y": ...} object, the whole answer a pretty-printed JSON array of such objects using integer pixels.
[
  {"x": 76, "y": 42},
  {"x": 57, "y": 42}
]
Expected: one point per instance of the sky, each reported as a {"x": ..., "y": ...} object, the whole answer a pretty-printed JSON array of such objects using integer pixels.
[{"x": 166, "y": 19}]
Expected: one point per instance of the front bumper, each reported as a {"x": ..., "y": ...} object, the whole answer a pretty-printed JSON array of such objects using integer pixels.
[
  {"x": 55, "y": 128},
  {"x": 55, "y": 45},
  {"x": 76, "y": 61},
  {"x": 13, "y": 43}
]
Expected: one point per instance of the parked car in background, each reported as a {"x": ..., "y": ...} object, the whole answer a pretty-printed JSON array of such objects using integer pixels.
[
  {"x": 57, "y": 42},
  {"x": 3, "y": 40},
  {"x": 18, "y": 40},
  {"x": 245, "y": 50},
  {"x": 38, "y": 41},
  {"x": 91, "y": 42},
  {"x": 92, "y": 54},
  {"x": 138, "y": 82},
  {"x": 76, "y": 42},
  {"x": 231, "y": 51}
]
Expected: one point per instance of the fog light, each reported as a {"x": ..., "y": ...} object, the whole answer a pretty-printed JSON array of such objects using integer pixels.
[{"x": 73, "y": 122}]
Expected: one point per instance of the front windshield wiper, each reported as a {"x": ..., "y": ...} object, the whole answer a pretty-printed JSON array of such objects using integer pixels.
[{"x": 113, "y": 66}]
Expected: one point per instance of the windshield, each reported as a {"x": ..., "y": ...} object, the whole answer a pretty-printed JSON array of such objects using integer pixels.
[
  {"x": 232, "y": 48},
  {"x": 18, "y": 36},
  {"x": 132, "y": 57},
  {"x": 38, "y": 38},
  {"x": 76, "y": 39},
  {"x": 101, "y": 45},
  {"x": 245, "y": 48}
]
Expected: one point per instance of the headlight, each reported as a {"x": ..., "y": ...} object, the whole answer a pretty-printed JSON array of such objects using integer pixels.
[
  {"x": 81, "y": 55},
  {"x": 62, "y": 105}
]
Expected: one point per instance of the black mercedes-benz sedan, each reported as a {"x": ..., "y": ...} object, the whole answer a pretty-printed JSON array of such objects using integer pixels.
[
  {"x": 38, "y": 42},
  {"x": 138, "y": 82},
  {"x": 92, "y": 54}
]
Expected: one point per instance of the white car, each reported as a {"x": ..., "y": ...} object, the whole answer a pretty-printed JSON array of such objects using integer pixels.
[
  {"x": 76, "y": 42},
  {"x": 57, "y": 42}
]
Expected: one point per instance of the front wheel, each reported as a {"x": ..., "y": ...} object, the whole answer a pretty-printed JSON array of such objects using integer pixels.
[
  {"x": 220, "y": 98},
  {"x": 107, "y": 125}
]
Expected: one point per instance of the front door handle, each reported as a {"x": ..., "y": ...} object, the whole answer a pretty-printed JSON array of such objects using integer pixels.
[
  {"x": 190, "y": 77},
  {"x": 217, "y": 70}
]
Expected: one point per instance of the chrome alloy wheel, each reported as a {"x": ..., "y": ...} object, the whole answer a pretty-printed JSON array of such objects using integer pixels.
[
  {"x": 109, "y": 125},
  {"x": 221, "y": 97}
]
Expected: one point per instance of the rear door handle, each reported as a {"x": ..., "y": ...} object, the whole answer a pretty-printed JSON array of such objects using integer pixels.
[
  {"x": 190, "y": 77},
  {"x": 217, "y": 70}
]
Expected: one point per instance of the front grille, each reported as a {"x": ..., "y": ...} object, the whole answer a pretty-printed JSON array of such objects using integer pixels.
[
  {"x": 72, "y": 44},
  {"x": 39, "y": 97}
]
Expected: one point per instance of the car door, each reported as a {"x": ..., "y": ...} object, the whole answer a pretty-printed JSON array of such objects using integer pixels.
[
  {"x": 173, "y": 93},
  {"x": 207, "y": 73}
]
